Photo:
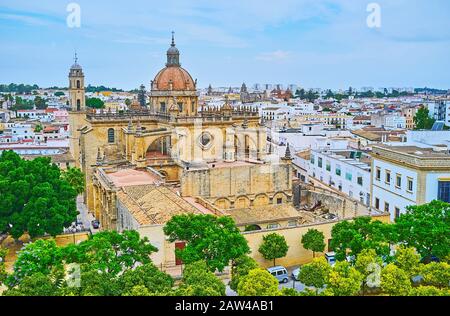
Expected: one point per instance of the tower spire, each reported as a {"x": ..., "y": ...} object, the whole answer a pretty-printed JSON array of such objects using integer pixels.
[
  {"x": 173, "y": 38},
  {"x": 287, "y": 154},
  {"x": 76, "y": 57}
]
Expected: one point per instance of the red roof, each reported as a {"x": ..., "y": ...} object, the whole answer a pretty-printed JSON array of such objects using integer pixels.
[{"x": 49, "y": 129}]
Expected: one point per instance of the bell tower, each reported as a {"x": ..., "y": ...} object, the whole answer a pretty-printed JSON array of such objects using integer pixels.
[
  {"x": 77, "y": 112},
  {"x": 77, "y": 99}
]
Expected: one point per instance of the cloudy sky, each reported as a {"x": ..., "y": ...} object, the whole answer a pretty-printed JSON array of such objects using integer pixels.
[{"x": 313, "y": 43}]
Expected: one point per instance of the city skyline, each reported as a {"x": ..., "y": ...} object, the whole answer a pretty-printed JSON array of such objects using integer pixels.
[{"x": 315, "y": 44}]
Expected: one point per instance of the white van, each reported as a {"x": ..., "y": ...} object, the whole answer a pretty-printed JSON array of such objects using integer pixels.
[
  {"x": 280, "y": 273},
  {"x": 331, "y": 258}
]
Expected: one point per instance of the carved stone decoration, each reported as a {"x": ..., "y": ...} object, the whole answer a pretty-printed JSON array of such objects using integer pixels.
[{"x": 205, "y": 140}]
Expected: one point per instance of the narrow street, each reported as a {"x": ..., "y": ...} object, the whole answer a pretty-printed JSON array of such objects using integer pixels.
[{"x": 84, "y": 217}]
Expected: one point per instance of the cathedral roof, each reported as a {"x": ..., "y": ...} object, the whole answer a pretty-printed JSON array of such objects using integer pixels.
[
  {"x": 178, "y": 77},
  {"x": 173, "y": 76}
]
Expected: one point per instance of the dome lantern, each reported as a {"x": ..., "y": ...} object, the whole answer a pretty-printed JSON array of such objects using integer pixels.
[{"x": 173, "y": 54}]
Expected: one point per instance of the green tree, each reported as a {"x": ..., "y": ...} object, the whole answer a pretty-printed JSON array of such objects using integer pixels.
[
  {"x": 395, "y": 281},
  {"x": 38, "y": 128},
  {"x": 127, "y": 102},
  {"x": 422, "y": 119},
  {"x": 274, "y": 246},
  {"x": 111, "y": 252},
  {"x": 138, "y": 290},
  {"x": 429, "y": 291},
  {"x": 362, "y": 233},
  {"x": 41, "y": 256},
  {"x": 315, "y": 274},
  {"x": 426, "y": 228},
  {"x": 309, "y": 292},
  {"x": 311, "y": 96},
  {"x": 408, "y": 260},
  {"x": 95, "y": 103},
  {"x": 59, "y": 94},
  {"x": 313, "y": 240},
  {"x": 18, "y": 88},
  {"x": 76, "y": 178},
  {"x": 216, "y": 240},
  {"x": 198, "y": 280},
  {"x": 344, "y": 280},
  {"x": 241, "y": 267},
  {"x": 436, "y": 274},
  {"x": 142, "y": 96},
  {"x": 147, "y": 276},
  {"x": 111, "y": 264},
  {"x": 300, "y": 93},
  {"x": 34, "y": 197},
  {"x": 40, "y": 103},
  {"x": 37, "y": 284},
  {"x": 368, "y": 263},
  {"x": 258, "y": 282},
  {"x": 287, "y": 291},
  {"x": 329, "y": 95},
  {"x": 97, "y": 283},
  {"x": 339, "y": 97},
  {"x": 3, "y": 274}
]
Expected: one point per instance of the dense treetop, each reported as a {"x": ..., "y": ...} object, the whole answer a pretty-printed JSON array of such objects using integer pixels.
[{"x": 35, "y": 199}]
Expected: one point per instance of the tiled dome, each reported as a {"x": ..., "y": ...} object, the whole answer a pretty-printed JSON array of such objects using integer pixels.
[{"x": 177, "y": 77}]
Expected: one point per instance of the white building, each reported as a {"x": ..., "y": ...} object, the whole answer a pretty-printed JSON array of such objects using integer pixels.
[
  {"x": 408, "y": 175},
  {"x": 276, "y": 113},
  {"x": 308, "y": 136},
  {"x": 49, "y": 148},
  {"x": 20, "y": 131},
  {"x": 345, "y": 170}
]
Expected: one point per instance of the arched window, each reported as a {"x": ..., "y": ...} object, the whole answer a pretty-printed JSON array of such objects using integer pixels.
[
  {"x": 78, "y": 104},
  {"x": 78, "y": 84},
  {"x": 111, "y": 135}
]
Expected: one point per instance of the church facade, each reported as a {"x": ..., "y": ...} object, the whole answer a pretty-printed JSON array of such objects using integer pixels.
[{"x": 216, "y": 154}]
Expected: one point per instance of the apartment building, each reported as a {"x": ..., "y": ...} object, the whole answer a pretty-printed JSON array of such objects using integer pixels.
[
  {"x": 409, "y": 113},
  {"x": 440, "y": 110},
  {"x": 347, "y": 171},
  {"x": 408, "y": 175},
  {"x": 337, "y": 120}
]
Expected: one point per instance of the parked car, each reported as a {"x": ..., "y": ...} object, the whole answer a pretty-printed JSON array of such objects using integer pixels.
[
  {"x": 429, "y": 259},
  {"x": 331, "y": 258},
  {"x": 280, "y": 273},
  {"x": 95, "y": 224},
  {"x": 296, "y": 273}
]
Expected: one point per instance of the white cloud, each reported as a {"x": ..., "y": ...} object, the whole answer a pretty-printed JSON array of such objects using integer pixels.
[
  {"x": 278, "y": 55},
  {"x": 24, "y": 18}
]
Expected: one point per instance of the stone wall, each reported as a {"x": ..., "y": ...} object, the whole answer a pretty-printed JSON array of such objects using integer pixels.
[
  {"x": 340, "y": 205},
  {"x": 248, "y": 181},
  {"x": 297, "y": 255}
]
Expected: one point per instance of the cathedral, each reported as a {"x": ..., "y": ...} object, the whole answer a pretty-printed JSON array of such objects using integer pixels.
[
  {"x": 210, "y": 160},
  {"x": 174, "y": 156}
]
